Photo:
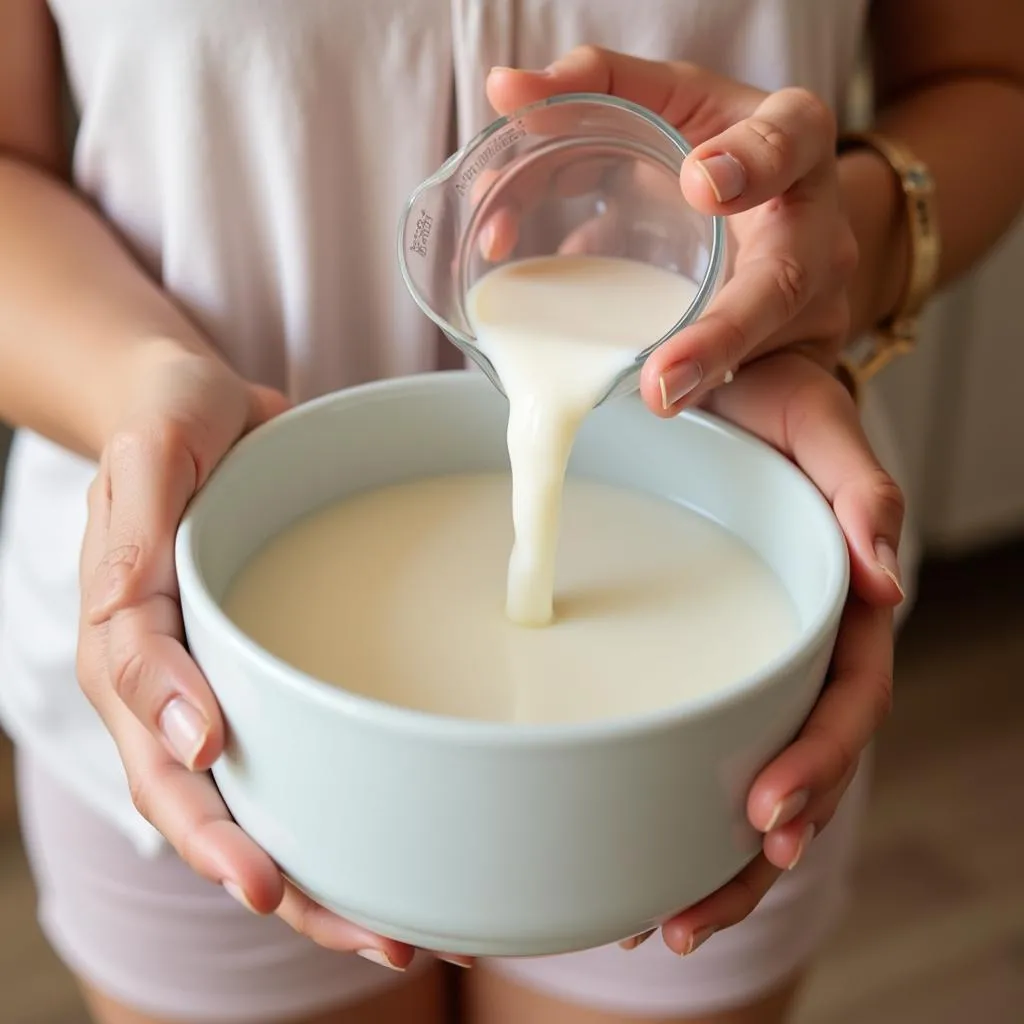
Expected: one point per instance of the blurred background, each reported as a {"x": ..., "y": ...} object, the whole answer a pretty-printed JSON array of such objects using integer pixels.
[{"x": 936, "y": 935}]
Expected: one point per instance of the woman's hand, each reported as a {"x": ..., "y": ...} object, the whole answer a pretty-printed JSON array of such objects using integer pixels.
[
  {"x": 798, "y": 407},
  {"x": 187, "y": 412},
  {"x": 765, "y": 160}
]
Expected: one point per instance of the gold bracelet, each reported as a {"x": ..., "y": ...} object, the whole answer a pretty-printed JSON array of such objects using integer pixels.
[{"x": 897, "y": 334}]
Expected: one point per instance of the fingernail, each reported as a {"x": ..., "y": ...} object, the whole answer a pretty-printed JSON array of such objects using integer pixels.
[
  {"x": 805, "y": 841},
  {"x": 889, "y": 564},
  {"x": 678, "y": 381},
  {"x": 378, "y": 956},
  {"x": 636, "y": 940},
  {"x": 456, "y": 961},
  {"x": 524, "y": 71},
  {"x": 237, "y": 893},
  {"x": 487, "y": 233},
  {"x": 787, "y": 809},
  {"x": 725, "y": 175},
  {"x": 185, "y": 730},
  {"x": 698, "y": 938}
]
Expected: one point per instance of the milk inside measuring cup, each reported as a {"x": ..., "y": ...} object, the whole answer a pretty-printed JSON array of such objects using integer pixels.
[
  {"x": 558, "y": 331},
  {"x": 583, "y": 173}
]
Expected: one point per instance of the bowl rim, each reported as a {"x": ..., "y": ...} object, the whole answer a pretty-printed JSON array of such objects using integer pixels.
[{"x": 429, "y": 725}]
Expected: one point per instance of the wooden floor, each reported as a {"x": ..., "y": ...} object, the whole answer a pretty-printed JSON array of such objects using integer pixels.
[{"x": 937, "y": 933}]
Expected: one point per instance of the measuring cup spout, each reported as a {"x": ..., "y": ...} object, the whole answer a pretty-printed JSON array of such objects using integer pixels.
[{"x": 431, "y": 236}]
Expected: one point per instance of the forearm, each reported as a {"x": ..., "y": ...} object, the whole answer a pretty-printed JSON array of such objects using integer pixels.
[
  {"x": 76, "y": 313},
  {"x": 970, "y": 132}
]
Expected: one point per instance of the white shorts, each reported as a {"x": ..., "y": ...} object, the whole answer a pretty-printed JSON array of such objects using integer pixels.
[{"x": 151, "y": 934}]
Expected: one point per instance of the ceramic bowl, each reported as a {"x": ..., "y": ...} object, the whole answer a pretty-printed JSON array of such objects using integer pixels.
[{"x": 490, "y": 838}]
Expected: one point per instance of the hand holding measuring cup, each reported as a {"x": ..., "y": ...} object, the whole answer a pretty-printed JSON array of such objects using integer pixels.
[
  {"x": 767, "y": 161},
  {"x": 583, "y": 173}
]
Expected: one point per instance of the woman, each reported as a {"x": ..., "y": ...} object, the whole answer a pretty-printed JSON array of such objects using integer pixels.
[{"x": 223, "y": 239}]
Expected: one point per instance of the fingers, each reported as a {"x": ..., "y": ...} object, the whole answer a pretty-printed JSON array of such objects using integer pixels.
[
  {"x": 154, "y": 676},
  {"x": 678, "y": 92},
  {"x": 130, "y": 601},
  {"x": 796, "y": 795},
  {"x": 788, "y": 140},
  {"x": 793, "y": 269},
  {"x": 760, "y": 299},
  {"x": 785, "y": 845},
  {"x": 187, "y": 810},
  {"x": 749, "y": 147},
  {"x": 636, "y": 940},
  {"x": 130, "y": 597},
  {"x": 150, "y": 474},
  {"x": 333, "y": 932},
  {"x": 722, "y": 909},
  {"x": 801, "y": 409}
]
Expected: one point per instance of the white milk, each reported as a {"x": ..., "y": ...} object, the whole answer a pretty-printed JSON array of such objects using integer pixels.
[
  {"x": 559, "y": 330},
  {"x": 397, "y": 595}
]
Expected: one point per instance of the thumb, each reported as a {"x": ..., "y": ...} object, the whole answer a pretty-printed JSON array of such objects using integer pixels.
[{"x": 788, "y": 139}]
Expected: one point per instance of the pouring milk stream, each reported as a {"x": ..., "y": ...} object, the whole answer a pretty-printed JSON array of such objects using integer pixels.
[{"x": 558, "y": 331}]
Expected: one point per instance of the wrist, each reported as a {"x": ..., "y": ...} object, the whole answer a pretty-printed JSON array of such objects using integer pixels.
[{"x": 873, "y": 201}]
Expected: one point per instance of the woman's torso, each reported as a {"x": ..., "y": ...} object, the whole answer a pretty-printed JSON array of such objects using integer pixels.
[{"x": 255, "y": 155}]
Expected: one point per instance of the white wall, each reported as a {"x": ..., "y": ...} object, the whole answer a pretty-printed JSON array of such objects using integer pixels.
[{"x": 958, "y": 408}]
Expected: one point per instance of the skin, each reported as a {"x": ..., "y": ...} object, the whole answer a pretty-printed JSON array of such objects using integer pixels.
[{"x": 94, "y": 355}]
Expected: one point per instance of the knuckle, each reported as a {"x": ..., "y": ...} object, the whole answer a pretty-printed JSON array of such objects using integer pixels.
[
  {"x": 888, "y": 496},
  {"x": 304, "y": 919},
  {"x": 687, "y": 68},
  {"x": 140, "y": 789},
  {"x": 774, "y": 147},
  {"x": 112, "y": 577},
  {"x": 749, "y": 894},
  {"x": 792, "y": 281},
  {"x": 836, "y": 758},
  {"x": 813, "y": 111},
  {"x": 128, "y": 674},
  {"x": 732, "y": 339},
  {"x": 880, "y": 686},
  {"x": 163, "y": 443},
  {"x": 589, "y": 53},
  {"x": 120, "y": 561}
]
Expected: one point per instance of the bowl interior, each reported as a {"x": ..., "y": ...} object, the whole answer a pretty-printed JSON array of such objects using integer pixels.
[{"x": 438, "y": 424}]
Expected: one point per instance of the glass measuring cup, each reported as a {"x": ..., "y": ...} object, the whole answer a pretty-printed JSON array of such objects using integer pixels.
[{"x": 579, "y": 173}]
